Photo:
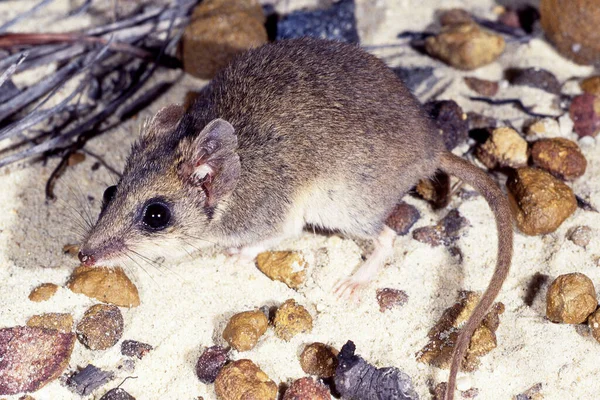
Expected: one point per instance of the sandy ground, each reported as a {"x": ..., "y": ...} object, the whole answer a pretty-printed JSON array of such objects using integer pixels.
[{"x": 186, "y": 303}]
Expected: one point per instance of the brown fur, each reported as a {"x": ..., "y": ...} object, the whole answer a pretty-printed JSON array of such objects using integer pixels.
[{"x": 326, "y": 135}]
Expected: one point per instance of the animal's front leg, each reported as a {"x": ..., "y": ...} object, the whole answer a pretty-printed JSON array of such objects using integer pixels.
[{"x": 350, "y": 287}]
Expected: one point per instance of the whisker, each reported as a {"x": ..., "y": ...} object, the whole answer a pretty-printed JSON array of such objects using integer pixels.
[
  {"x": 156, "y": 265},
  {"x": 139, "y": 265}
]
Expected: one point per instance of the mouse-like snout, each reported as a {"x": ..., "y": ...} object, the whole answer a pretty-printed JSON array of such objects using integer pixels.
[{"x": 86, "y": 259}]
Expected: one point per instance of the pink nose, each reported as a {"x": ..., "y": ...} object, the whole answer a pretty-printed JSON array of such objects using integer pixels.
[{"x": 86, "y": 259}]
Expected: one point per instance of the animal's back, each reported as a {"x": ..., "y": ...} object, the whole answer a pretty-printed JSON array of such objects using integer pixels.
[{"x": 312, "y": 114}]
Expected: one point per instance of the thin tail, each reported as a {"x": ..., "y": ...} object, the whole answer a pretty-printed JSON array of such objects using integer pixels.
[{"x": 498, "y": 202}]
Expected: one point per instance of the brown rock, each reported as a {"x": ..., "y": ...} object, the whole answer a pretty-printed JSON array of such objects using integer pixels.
[
  {"x": 390, "y": 298},
  {"x": 594, "y": 324},
  {"x": 571, "y": 299},
  {"x": 59, "y": 321},
  {"x": 307, "y": 389},
  {"x": 591, "y": 85},
  {"x": 481, "y": 86},
  {"x": 210, "y": 363},
  {"x": 244, "y": 329},
  {"x": 403, "y": 218},
  {"x": 243, "y": 380},
  {"x": 561, "y": 157},
  {"x": 132, "y": 348},
  {"x": 585, "y": 113},
  {"x": 455, "y": 16},
  {"x": 504, "y": 148},
  {"x": 285, "y": 266},
  {"x": 43, "y": 292},
  {"x": 291, "y": 319},
  {"x": 539, "y": 201},
  {"x": 580, "y": 235},
  {"x": 32, "y": 357},
  {"x": 101, "y": 327},
  {"x": 572, "y": 27},
  {"x": 75, "y": 158},
  {"x": 219, "y": 30},
  {"x": 431, "y": 235},
  {"x": 109, "y": 285},
  {"x": 446, "y": 231},
  {"x": 465, "y": 46},
  {"x": 442, "y": 337},
  {"x": 319, "y": 359}
]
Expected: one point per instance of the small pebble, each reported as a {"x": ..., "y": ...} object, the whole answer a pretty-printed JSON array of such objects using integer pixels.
[
  {"x": 572, "y": 27},
  {"x": 285, "y": 266},
  {"x": 244, "y": 329},
  {"x": 591, "y": 85},
  {"x": 451, "y": 121},
  {"x": 594, "y": 324},
  {"x": 334, "y": 23},
  {"x": 117, "y": 394},
  {"x": 580, "y": 235},
  {"x": 356, "y": 379},
  {"x": 101, "y": 327},
  {"x": 319, "y": 359},
  {"x": 465, "y": 46},
  {"x": 470, "y": 393},
  {"x": 390, "y": 298},
  {"x": 307, "y": 389},
  {"x": 75, "y": 158},
  {"x": 210, "y": 363},
  {"x": 545, "y": 128},
  {"x": 403, "y": 218},
  {"x": 537, "y": 78},
  {"x": 533, "y": 393},
  {"x": 585, "y": 113},
  {"x": 455, "y": 16},
  {"x": 561, "y": 157},
  {"x": 85, "y": 381},
  {"x": 32, "y": 357},
  {"x": 571, "y": 299},
  {"x": 447, "y": 231},
  {"x": 62, "y": 322},
  {"x": 443, "y": 336},
  {"x": 132, "y": 348},
  {"x": 43, "y": 292},
  {"x": 540, "y": 202},
  {"x": 481, "y": 86},
  {"x": 291, "y": 319},
  {"x": 244, "y": 380},
  {"x": 504, "y": 148},
  {"x": 109, "y": 285}
]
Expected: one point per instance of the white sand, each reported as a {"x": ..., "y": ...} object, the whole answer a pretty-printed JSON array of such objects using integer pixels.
[{"x": 185, "y": 304}]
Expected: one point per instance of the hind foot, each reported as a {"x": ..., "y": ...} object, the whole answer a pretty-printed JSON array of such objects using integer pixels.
[{"x": 350, "y": 288}]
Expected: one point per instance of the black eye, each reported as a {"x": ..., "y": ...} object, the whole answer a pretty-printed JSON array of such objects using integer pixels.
[
  {"x": 108, "y": 195},
  {"x": 156, "y": 216}
]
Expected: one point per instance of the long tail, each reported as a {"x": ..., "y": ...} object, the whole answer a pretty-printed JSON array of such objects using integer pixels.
[{"x": 498, "y": 202}]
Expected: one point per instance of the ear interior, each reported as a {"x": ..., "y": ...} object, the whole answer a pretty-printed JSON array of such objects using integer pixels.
[{"x": 212, "y": 162}]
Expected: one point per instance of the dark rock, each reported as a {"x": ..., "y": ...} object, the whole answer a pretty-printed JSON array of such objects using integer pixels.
[
  {"x": 451, "y": 121},
  {"x": 210, "y": 363},
  {"x": 86, "y": 380},
  {"x": 453, "y": 223},
  {"x": 446, "y": 232},
  {"x": 334, "y": 23},
  {"x": 435, "y": 190},
  {"x": 535, "y": 77},
  {"x": 356, "y": 379},
  {"x": 403, "y": 218},
  {"x": 390, "y": 298},
  {"x": 413, "y": 77},
  {"x": 117, "y": 394},
  {"x": 431, "y": 235},
  {"x": 8, "y": 90},
  {"x": 585, "y": 113},
  {"x": 131, "y": 348}
]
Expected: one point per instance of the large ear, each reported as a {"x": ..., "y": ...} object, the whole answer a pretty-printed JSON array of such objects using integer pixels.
[
  {"x": 211, "y": 162},
  {"x": 164, "y": 121}
]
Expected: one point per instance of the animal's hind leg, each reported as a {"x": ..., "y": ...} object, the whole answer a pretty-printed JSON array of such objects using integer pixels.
[{"x": 371, "y": 267}]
